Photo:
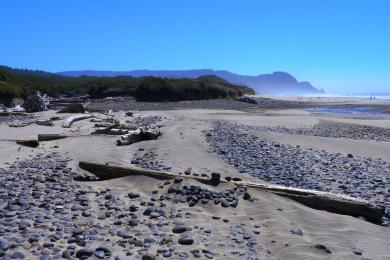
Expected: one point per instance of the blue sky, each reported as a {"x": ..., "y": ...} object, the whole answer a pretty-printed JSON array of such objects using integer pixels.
[{"x": 341, "y": 46}]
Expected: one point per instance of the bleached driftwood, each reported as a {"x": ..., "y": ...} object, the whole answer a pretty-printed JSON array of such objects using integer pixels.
[
  {"x": 69, "y": 120},
  {"x": 139, "y": 135},
  {"x": 109, "y": 130},
  {"x": 334, "y": 203}
]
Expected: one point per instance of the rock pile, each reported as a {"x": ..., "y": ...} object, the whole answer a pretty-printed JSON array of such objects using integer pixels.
[
  {"x": 193, "y": 194},
  {"x": 150, "y": 160}
]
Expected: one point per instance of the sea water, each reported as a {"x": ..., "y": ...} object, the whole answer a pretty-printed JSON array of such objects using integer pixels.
[{"x": 348, "y": 110}]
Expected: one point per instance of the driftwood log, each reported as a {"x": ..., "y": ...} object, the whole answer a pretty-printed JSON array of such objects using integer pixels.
[
  {"x": 20, "y": 124},
  {"x": 45, "y": 122},
  {"x": 73, "y": 108},
  {"x": 138, "y": 135},
  {"x": 69, "y": 100},
  {"x": 334, "y": 203},
  {"x": 50, "y": 137},
  {"x": 28, "y": 143},
  {"x": 69, "y": 120},
  {"x": 5, "y": 113}
]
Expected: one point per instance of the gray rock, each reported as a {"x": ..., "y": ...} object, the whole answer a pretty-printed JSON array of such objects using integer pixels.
[
  {"x": 297, "y": 231},
  {"x": 179, "y": 229},
  {"x": 186, "y": 241},
  {"x": 133, "y": 195},
  {"x": 4, "y": 244},
  {"x": 323, "y": 247},
  {"x": 17, "y": 255},
  {"x": 125, "y": 257},
  {"x": 84, "y": 252},
  {"x": 45, "y": 257},
  {"x": 100, "y": 254}
]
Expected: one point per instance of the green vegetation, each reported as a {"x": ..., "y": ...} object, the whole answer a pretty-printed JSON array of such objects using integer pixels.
[{"x": 16, "y": 83}]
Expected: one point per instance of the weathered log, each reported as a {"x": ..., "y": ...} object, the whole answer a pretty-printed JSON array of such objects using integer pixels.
[
  {"x": 108, "y": 128},
  {"x": 55, "y": 118},
  {"x": 334, "y": 203},
  {"x": 69, "y": 100},
  {"x": 69, "y": 120},
  {"x": 73, "y": 108},
  {"x": 102, "y": 130},
  {"x": 28, "y": 143},
  {"x": 20, "y": 124},
  {"x": 45, "y": 122},
  {"x": 50, "y": 137},
  {"x": 107, "y": 172},
  {"x": 6, "y": 113}
]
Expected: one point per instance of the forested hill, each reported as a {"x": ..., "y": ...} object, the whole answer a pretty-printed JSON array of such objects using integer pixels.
[
  {"x": 277, "y": 83},
  {"x": 18, "y": 83}
]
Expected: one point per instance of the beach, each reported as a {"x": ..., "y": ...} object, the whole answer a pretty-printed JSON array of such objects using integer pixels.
[{"x": 53, "y": 209}]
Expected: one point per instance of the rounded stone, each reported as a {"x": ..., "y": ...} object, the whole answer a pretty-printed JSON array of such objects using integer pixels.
[
  {"x": 133, "y": 195},
  {"x": 186, "y": 241}
]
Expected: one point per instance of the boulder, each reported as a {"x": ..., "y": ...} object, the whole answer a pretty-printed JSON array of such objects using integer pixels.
[
  {"x": 34, "y": 104},
  {"x": 215, "y": 178}
]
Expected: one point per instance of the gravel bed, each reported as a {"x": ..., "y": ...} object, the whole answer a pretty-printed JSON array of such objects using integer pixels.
[
  {"x": 294, "y": 166},
  {"x": 150, "y": 160},
  {"x": 46, "y": 214},
  {"x": 332, "y": 129},
  {"x": 130, "y": 104},
  {"x": 18, "y": 119},
  {"x": 147, "y": 121}
]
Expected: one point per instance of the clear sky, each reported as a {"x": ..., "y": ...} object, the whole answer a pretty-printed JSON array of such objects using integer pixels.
[{"x": 338, "y": 45}]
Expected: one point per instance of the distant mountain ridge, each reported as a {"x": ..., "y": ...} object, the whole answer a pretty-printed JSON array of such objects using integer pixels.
[{"x": 277, "y": 83}]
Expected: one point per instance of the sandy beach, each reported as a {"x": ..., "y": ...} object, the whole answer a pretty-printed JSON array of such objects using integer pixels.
[{"x": 52, "y": 209}]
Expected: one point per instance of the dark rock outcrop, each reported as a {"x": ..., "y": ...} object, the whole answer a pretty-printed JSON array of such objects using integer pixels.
[{"x": 34, "y": 104}]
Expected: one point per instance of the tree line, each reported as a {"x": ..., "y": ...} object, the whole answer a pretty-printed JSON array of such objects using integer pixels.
[{"x": 20, "y": 83}]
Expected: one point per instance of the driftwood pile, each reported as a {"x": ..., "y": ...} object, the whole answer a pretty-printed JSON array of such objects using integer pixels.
[
  {"x": 141, "y": 134},
  {"x": 129, "y": 133},
  {"x": 65, "y": 101}
]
